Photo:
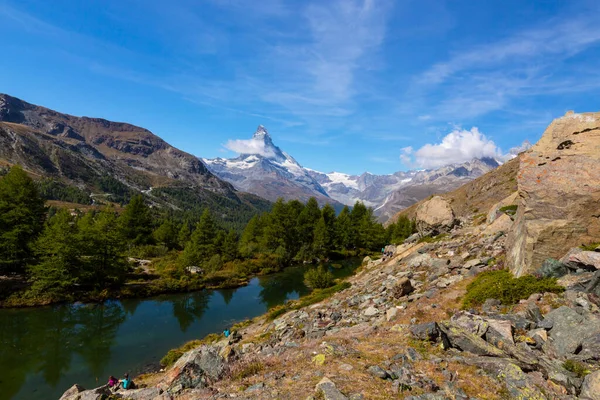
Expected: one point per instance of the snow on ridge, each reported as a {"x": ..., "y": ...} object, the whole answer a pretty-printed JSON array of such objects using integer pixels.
[{"x": 344, "y": 179}]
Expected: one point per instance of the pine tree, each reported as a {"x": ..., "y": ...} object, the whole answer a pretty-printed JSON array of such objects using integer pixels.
[
  {"x": 344, "y": 234},
  {"x": 307, "y": 220},
  {"x": 136, "y": 221},
  {"x": 103, "y": 245},
  {"x": 321, "y": 238},
  {"x": 21, "y": 219},
  {"x": 201, "y": 246},
  {"x": 328, "y": 213},
  {"x": 59, "y": 255},
  {"x": 166, "y": 234},
  {"x": 251, "y": 237},
  {"x": 184, "y": 235},
  {"x": 229, "y": 251}
]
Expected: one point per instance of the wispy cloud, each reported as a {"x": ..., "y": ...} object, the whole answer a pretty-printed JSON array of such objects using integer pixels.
[{"x": 478, "y": 80}]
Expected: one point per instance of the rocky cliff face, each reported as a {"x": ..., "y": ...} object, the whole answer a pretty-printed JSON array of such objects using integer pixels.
[{"x": 559, "y": 193}]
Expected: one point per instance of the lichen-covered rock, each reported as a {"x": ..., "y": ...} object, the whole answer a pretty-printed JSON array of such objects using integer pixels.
[
  {"x": 435, "y": 215},
  {"x": 402, "y": 288},
  {"x": 428, "y": 331},
  {"x": 559, "y": 191},
  {"x": 591, "y": 386},
  {"x": 328, "y": 390}
]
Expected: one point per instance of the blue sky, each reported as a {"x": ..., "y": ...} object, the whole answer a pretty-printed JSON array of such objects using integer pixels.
[{"x": 343, "y": 85}]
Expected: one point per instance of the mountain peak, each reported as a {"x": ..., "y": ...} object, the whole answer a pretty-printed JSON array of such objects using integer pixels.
[{"x": 261, "y": 133}]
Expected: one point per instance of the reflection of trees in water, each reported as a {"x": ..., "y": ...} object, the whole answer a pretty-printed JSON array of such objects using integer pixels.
[
  {"x": 44, "y": 340},
  {"x": 189, "y": 308},
  {"x": 130, "y": 305},
  {"x": 276, "y": 289},
  {"x": 99, "y": 324},
  {"x": 227, "y": 295}
]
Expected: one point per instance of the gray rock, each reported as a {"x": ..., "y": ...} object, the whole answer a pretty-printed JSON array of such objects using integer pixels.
[
  {"x": 545, "y": 324},
  {"x": 377, "y": 372},
  {"x": 590, "y": 348},
  {"x": 371, "y": 311},
  {"x": 76, "y": 393},
  {"x": 428, "y": 331},
  {"x": 72, "y": 391},
  {"x": 402, "y": 288},
  {"x": 472, "y": 263},
  {"x": 329, "y": 391},
  {"x": 459, "y": 338},
  {"x": 256, "y": 387},
  {"x": 143, "y": 394},
  {"x": 570, "y": 329},
  {"x": 591, "y": 386},
  {"x": 552, "y": 268},
  {"x": 491, "y": 305},
  {"x": 502, "y": 329},
  {"x": 391, "y": 313}
]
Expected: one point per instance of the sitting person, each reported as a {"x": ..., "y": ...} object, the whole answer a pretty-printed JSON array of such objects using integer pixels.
[
  {"x": 112, "y": 382},
  {"x": 126, "y": 383}
]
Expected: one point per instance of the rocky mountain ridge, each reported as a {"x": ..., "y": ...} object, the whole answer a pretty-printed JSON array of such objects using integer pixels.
[{"x": 271, "y": 173}]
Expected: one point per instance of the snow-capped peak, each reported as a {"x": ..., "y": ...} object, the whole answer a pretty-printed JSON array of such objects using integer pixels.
[{"x": 261, "y": 133}]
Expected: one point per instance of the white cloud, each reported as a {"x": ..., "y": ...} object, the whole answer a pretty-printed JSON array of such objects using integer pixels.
[
  {"x": 250, "y": 146},
  {"x": 458, "y": 146}
]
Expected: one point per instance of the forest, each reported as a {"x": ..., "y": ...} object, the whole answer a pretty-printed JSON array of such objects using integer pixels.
[{"x": 65, "y": 254}]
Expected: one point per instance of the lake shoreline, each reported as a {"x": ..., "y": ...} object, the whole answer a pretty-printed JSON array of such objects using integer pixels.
[{"x": 132, "y": 290}]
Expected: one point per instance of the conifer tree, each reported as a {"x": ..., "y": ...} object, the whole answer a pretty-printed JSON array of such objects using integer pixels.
[
  {"x": 21, "y": 219},
  {"x": 184, "y": 235},
  {"x": 343, "y": 225},
  {"x": 59, "y": 254},
  {"x": 102, "y": 241},
  {"x": 249, "y": 241},
  {"x": 229, "y": 250},
  {"x": 321, "y": 238},
  {"x": 166, "y": 234},
  {"x": 328, "y": 213},
  {"x": 136, "y": 221},
  {"x": 201, "y": 246}
]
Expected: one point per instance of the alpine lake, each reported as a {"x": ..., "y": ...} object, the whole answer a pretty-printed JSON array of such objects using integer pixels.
[{"x": 45, "y": 350}]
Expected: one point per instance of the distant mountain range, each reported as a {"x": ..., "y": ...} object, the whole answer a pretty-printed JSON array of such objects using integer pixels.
[
  {"x": 113, "y": 160},
  {"x": 273, "y": 173}
]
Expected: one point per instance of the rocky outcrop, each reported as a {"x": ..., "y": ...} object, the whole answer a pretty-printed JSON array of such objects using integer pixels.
[
  {"x": 435, "y": 215},
  {"x": 559, "y": 192}
]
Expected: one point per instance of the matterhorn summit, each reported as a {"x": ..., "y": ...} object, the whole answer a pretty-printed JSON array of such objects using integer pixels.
[{"x": 264, "y": 169}]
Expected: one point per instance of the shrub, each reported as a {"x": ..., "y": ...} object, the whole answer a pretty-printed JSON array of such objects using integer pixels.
[
  {"x": 318, "y": 278},
  {"x": 503, "y": 286},
  {"x": 576, "y": 367}
]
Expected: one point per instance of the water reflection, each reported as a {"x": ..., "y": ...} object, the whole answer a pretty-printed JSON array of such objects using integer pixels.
[
  {"x": 45, "y": 342},
  {"x": 190, "y": 307},
  {"x": 43, "y": 351}
]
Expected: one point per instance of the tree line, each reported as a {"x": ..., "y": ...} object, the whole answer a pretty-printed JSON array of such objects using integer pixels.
[{"x": 62, "y": 250}]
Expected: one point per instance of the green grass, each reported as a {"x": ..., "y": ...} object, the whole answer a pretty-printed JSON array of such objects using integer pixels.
[
  {"x": 434, "y": 239},
  {"x": 503, "y": 286},
  {"x": 315, "y": 296},
  {"x": 589, "y": 247}
]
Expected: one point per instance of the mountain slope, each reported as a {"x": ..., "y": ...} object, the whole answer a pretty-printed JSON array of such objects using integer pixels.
[
  {"x": 107, "y": 158},
  {"x": 478, "y": 195},
  {"x": 388, "y": 194},
  {"x": 269, "y": 172}
]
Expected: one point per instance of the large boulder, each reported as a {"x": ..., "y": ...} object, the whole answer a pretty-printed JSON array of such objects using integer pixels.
[
  {"x": 591, "y": 386},
  {"x": 495, "y": 212},
  {"x": 559, "y": 192},
  {"x": 435, "y": 215}
]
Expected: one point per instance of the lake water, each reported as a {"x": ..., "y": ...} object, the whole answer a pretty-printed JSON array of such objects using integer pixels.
[{"x": 45, "y": 350}]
